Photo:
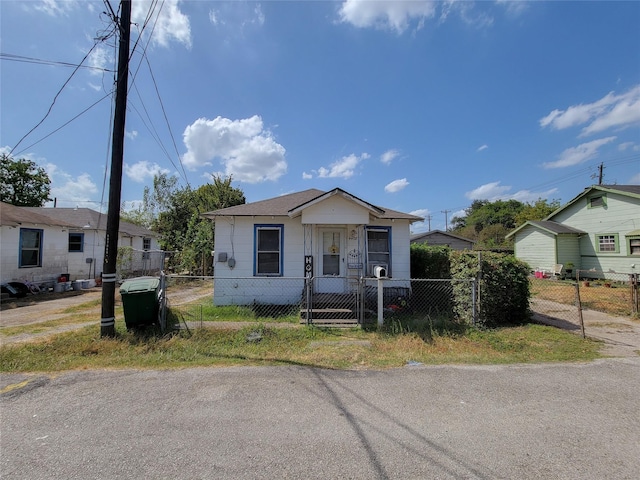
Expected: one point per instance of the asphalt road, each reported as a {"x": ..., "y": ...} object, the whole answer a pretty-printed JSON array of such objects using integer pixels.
[{"x": 561, "y": 421}]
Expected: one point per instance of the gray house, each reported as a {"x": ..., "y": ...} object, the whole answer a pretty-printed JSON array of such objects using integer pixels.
[
  {"x": 438, "y": 237},
  {"x": 598, "y": 230}
]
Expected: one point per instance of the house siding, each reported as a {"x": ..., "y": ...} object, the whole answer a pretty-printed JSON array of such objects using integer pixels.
[
  {"x": 568, "y": 247},
  {"x": 55, "y": 260},
  {"x": 537, "y": 248},
  {"x": 619, "y": 216},
  {"x": 335, "y": 210}
]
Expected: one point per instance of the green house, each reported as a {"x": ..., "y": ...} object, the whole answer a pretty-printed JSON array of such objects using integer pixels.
[{"x": 597, "y": 231}]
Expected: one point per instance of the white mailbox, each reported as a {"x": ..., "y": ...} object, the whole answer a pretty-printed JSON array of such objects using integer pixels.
[{"x": 379, "y": 271}]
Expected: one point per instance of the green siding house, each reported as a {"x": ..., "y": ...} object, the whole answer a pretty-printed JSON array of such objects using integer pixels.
[{"x": 599, "y": 230}]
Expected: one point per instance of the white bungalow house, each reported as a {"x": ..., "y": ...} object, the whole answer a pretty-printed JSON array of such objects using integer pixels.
[
  {"x": 40, "y": 244},
  {"x": 597, "y": 231},
  {"x": 333, "y": 237}
]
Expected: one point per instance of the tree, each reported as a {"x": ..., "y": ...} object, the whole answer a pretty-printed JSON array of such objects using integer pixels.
[
  {"x": 180, "y": 225},
  {"x": 537, "y": 210},
  {"x": 23, "y": 183}
]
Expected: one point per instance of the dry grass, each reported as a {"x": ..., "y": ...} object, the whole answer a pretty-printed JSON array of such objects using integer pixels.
[{"x": 615, "y": 300}]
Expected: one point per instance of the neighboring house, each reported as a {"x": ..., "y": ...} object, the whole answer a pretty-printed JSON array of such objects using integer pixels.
[
  {"x": 331, "y": 236},
  {"x": 39, "y": 243},
  {"x": 599, "y": 230},
  {"x": 438, "y": 237}
]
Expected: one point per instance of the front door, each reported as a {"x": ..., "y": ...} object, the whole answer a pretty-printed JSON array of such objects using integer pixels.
[{"x": 331, "y": 261}]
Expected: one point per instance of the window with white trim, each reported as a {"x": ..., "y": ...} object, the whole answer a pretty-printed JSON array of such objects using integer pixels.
[
  {"x": 30, "y": 247},
  {"x": 268, "y": 240},
  {"x": 379, "y": 247},
  {"x": 607, "y": 243}
]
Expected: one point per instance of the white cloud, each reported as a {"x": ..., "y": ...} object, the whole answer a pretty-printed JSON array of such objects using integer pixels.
[
  {"x": 70, "y": 191},
  {"x": 389, "y": 156},
  {"x": 248, "y": 151},
  {"x": 494, "y": 191},
  {"x": 395, "y": 15},
  {"x": 513, "y": 7},
  {"x": 237, "y": 17},
  {"x": 54, "y": 7},
  {"x": 343, "y": 168},
  {"x": 580, "y": 154},
  {"x": 611, "y": 111},
  {"x": 481, "y": 148},
  {"x": 100, "y": 58},
  {"x": 626, "y": 146},
  {"x": 421, "y": 212},
  {"x": 171, "y": 24},
  {"x": 140, "y": 171},
  {"x": 635, "y": 180},
  {"x": 306, "y": 176},
  {"x": 132, "y": 134},
  {"x": 396, "y": 185}
]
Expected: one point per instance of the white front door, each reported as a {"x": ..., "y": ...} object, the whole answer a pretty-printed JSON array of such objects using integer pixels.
[{"x": 331, "y": 266}]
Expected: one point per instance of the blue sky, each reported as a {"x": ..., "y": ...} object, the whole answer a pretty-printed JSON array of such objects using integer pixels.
[{"x": 416, "y": 106}]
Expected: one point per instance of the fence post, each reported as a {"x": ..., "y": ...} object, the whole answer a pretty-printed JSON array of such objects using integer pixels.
[
  {"x": 633, "y": 282},
  {"x": 308, "y": 312},
  {"x": 474, "y": 312},
  {"x": 380, "y": 302},
  {"x": 579, "y": 305}
]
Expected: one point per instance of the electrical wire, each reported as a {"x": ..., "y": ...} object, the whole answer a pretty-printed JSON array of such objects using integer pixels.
[{"x": 40, "y": 61}]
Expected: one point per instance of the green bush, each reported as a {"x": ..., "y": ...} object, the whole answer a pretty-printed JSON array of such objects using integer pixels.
[
  {"x": 430, "y": 261},
  {"x": 503, "y": 288}
]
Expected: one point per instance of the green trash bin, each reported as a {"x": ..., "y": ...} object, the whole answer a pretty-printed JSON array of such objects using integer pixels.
[{"x": 140, "y": 301}]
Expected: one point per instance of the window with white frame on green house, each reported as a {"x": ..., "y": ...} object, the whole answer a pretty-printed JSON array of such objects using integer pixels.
[
  {"x": 607, "y": 243},
  {"x": 633, "y": 242}
]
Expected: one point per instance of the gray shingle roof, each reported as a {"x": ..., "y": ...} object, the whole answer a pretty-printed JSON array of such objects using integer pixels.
[
  {"x": 87, "y": 218},
  {"x": 12, "y": 216},
  {"x": 283, "y": 205}
]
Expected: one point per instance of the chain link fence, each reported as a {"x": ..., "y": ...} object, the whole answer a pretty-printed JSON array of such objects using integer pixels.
[
  {"x": 131, "y": 263},
  {"x": 194, "y": 300},
  {"x": 555, "y": 300}
]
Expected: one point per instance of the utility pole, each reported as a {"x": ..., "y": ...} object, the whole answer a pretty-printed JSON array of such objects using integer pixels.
[
  {"x": 428, "y": 219},
  {"x": 600, "y": 173},
  {"x": 108, "y": 320},
  {"x": 446, "y": 219}
]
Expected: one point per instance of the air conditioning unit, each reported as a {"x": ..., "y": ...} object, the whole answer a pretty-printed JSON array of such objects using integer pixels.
[{"x": 378, "y": 270}]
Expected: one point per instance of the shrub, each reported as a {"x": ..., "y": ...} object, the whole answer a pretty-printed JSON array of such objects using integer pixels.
[{"x": 503, "y": 288}]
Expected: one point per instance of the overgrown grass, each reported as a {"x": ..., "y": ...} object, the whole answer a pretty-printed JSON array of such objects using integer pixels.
[{"x": 310, "y": 346}]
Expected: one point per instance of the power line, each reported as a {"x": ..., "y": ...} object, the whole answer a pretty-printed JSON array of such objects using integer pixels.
[{"x": 40, "y": 61}]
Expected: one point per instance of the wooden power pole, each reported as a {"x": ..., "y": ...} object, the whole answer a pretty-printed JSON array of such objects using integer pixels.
[{"x": 108, "y": 320}]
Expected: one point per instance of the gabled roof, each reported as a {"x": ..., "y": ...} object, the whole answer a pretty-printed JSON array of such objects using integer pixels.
[
  {"x": 554, "y": 228},
  {"x": 86, "y": 218},
  {"x": 293, "y": 203},
  {"x": 13, "y": 216},
  {"x": 626, "y": 190},
  {"x": 420, "y": 236}
]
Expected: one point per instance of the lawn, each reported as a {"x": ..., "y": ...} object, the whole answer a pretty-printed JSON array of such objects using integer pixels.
[{"x": 257, "y": 344}]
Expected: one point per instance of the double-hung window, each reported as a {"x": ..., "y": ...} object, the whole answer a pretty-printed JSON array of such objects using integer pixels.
[
  {"x": 607, "y": 243},
  {"x": 76, "y": 242},
  {"x": 634, "y": 245},
  {"x": 30, "y": 247},
  {"x": 268, "y": 241},
  {"x": 379, "y": 248}
]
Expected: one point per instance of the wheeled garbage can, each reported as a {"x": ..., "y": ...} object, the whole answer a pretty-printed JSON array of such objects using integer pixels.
[{"x": 140, "y": 301}]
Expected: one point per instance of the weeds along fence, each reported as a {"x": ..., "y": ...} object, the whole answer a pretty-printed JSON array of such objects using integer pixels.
[{"x": 195, "y": 300}]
